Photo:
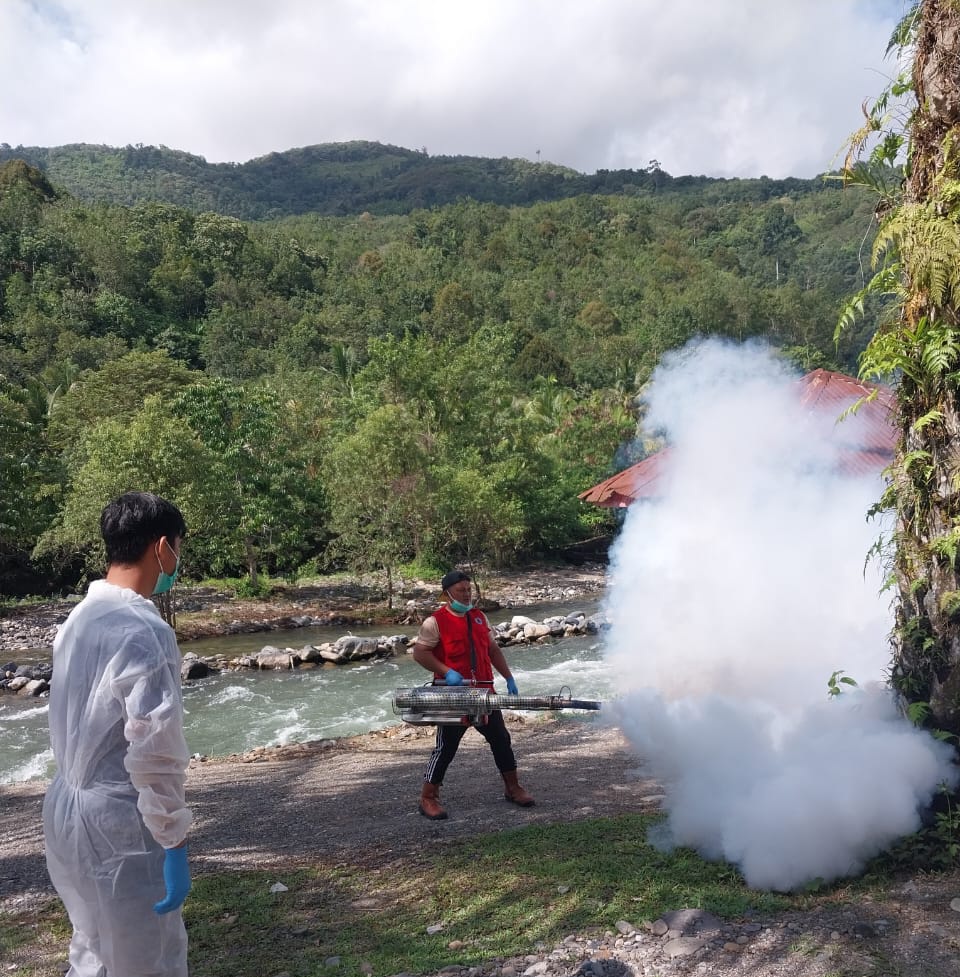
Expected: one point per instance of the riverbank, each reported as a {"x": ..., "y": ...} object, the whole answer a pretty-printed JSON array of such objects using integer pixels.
[{"x": 204, "y": 612}]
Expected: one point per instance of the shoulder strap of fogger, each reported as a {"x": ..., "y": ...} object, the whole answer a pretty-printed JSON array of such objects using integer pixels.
[{"x": 473, "y": 648}]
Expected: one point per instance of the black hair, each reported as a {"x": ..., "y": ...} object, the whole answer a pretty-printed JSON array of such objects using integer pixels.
[
  {"x": 132, "y": 522},
  {"x": 453, "y": 577}
]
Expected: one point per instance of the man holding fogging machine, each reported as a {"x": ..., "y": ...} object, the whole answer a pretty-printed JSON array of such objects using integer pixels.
[{"x": 456, "y": 643}]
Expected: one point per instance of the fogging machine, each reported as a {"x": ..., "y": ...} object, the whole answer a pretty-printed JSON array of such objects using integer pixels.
[{"x": 435, "y": 705}]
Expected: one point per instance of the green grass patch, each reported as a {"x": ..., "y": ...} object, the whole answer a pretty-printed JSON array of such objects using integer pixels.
[
  {"x": 498, "y": 896},
  {"x": 14, "y": 605},
  {"x": 34, "y": 942},
  {"x": 238, "y": 586}
]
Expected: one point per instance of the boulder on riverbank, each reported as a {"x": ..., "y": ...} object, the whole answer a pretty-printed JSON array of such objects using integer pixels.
[
  {"x": 519, "y": 630},
  {"x": 205, "y": 612},
  {"x": 27, "y": 680}
]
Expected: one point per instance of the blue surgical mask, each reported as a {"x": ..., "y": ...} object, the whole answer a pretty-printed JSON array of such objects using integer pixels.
[
  {"x": 166, "y": 580},
  {"x": 455, "y": 605}
]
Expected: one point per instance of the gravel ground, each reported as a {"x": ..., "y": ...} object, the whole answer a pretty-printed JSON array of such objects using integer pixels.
[{"x": 254, "y": 809}]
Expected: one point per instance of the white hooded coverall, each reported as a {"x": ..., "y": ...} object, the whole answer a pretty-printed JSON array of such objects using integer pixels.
[{"x": 117, "y": 800}]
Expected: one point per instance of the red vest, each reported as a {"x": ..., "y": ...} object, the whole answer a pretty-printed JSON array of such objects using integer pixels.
[{"x": 454, "y": 647}]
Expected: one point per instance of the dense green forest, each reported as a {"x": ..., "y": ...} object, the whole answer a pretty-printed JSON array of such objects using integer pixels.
[
  {"x": 350, "y": 178},
  {"x": 373, "y": 389}
]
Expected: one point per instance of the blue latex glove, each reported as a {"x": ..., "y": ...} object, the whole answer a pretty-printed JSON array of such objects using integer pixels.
[
  {"x": 176, "y": 877},
  {"x": 512, "y": 686},
  {"x": 453, "y": 677}
]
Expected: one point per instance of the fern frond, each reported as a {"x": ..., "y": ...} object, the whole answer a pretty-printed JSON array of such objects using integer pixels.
[
  {"x": 949, "y": 195},
  {"x": 931, "y": 417},
  {"x": 886, "y": 282},
  {"x": 918, "y": 458},
  {"x": 946, "y": 544},
  {"x": 905, "y": 33},
  {"x": 857, "y": 404},
  {"x": 941, "y": 352},
  {"x": 852, "y": 311},
  {"x": 931, "y": 245}
]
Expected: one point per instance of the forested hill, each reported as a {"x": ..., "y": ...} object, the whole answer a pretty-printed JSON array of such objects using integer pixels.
[
  {"x": 377, "y": 391},
  {"x": 350, "y": 178}
]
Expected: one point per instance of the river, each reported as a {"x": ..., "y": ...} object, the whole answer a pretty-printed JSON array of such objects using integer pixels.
[{"x": 240, "y": 710}]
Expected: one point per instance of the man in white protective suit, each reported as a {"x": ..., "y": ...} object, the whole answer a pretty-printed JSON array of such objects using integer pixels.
[{"x": 114, "y": 817}]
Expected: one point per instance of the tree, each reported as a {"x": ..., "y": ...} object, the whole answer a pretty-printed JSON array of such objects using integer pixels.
[
  {"x": 152, "y": 451},
  {"x": 917, "y": 250},
  {"x": 379, "y": 492},
  {"x": 477, "y": 522},
  {"x": 116, "y": 391},
  {"x": 28, "y": 470},
  {"x": 262, "y": 500},
  {"x": 16, "y": 451},
  {"x": 541, "y": 358}
]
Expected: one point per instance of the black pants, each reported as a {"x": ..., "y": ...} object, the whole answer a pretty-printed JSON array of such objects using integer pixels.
[{"x": 494, "y": 731}]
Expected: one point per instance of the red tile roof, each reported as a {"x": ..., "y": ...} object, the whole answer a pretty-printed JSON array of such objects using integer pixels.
[{"x": 867, "y": 437}]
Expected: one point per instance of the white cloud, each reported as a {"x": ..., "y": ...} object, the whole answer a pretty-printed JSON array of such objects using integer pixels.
[{"x": 728, "y": 88}]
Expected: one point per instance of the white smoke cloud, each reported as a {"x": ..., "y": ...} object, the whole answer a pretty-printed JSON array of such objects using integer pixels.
[{"x": 732, "y": 600}]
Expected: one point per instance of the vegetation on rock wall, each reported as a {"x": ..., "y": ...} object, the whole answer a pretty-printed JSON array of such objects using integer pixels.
[{"x": 918, "y": 344}]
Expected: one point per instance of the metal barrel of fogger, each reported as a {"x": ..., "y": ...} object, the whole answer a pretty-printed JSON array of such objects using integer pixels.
[{"x": 428, "y": 704}]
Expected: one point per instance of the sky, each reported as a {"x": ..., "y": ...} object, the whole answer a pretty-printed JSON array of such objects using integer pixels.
[
  {"x": 733, "y": 600},
  {"x": 726, "y": 88}
]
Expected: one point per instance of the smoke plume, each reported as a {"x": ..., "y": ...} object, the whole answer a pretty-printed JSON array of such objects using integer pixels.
[{"x": 733, "y": 599}]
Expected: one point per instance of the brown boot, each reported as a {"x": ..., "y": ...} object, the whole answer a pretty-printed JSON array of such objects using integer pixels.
[
  {"x": 514, "y": 792},
  {"x": 430, "y": 803}
]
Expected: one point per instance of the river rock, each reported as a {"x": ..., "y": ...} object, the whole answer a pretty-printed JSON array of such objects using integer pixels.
[
  {"x": 356, "y": 649},
  {"x": 557, "y": 626},
  {"x": 534, "y": 631},
  {"x": 309, "y": 654},
  {"x": 683, "y": 946},
  {"x": 42, "y": 671},
  {"x": 193, "y": 667},
  {"x": 692, "y": 922},
  {"x": 330, "y": 653},
  {"x": 596, "y": 623},
  {"x": 520, "y": 630},
  {"x": 273, "y": 658},
  {"x": 519, "y": 621}
]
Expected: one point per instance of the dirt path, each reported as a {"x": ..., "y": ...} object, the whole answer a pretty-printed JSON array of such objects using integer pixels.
[{"x": 359, "y": 796}]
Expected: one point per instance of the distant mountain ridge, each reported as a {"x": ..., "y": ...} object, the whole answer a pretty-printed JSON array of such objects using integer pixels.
[{"x": 345, "y": 178}]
